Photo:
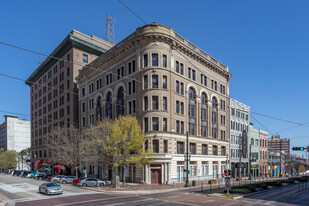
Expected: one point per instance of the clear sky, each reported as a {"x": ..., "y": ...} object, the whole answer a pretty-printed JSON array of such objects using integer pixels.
[{"x": 264, "y": 43}]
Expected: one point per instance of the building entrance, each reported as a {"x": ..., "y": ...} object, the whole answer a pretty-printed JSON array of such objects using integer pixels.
[{"x": 155, "y": 176}]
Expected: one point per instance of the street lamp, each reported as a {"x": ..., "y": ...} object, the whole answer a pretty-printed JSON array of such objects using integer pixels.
[{"x": 187, "y": 159}]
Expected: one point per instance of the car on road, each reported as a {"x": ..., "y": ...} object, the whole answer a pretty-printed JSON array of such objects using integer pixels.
[
  {"x": 50, "y": 177},
  {"x": 40, "y": 176},
  {"x": 57, "y": 178},
  {"x": 37, "y": 175},
  {"x": 17, "y": 172},
  {"x": 67, "y": 179},
  {"x": 25, "y": 173},
  {"x": 78, "y": 180},
  {"x": 49, "y": 188},
  {"x": 31, "y": 175},
  {"x": 88, "y": 182}
]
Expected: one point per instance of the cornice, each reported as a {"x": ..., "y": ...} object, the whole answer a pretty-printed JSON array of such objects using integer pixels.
[{"x": 165, "y": 35}]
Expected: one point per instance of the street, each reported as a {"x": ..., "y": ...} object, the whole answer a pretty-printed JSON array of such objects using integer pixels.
[{"x": 24, "y": 192}]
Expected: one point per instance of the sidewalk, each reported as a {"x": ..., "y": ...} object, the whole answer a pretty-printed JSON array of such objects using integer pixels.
[{"x": 135, "y": 188}]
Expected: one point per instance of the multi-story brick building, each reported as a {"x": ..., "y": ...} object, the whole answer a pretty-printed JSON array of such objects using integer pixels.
[
  {"x": 263, "y": 152},
  {"x": 171, "y": 86},
  {"x": 53, "y": 89},
  {"x": 275, "y": 144},
  {"x": 239, "y": 145}
]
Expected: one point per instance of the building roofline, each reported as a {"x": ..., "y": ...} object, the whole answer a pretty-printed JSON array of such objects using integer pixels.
[{"x": 73, "y": 39}]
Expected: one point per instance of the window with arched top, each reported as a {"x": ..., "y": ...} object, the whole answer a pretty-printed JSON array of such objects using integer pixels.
[
  {"x": 99, "y": 109},
  {"x": 120, "y": 102},
  {"x": 204, "y": 115},
  {"x": 155, "y": 146},
  {"x": 214, "y": 117},
  {"x": 192, "y": 102},
  {"x": 109, "y": 109}
]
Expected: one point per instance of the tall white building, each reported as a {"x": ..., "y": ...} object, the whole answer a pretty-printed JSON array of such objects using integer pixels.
[
  {"x": 15, "y": 135},
  {"x": 239, "y": 147}
]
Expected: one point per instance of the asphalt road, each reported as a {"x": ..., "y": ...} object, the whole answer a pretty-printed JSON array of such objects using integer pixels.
[{"x": 16, "y": 189}]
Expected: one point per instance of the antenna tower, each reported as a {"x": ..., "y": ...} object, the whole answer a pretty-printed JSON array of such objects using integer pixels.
[{"x": 109, "y": 29}]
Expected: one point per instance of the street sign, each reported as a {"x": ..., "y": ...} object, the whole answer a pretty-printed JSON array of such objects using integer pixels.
[{"x": 227, "y": 182}]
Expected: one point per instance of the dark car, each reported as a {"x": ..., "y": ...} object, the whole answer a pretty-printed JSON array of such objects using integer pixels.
[
  {"x": 40, "y": 176},
  {"x": 17, "y": 172},
  {"x": 25, "y": 173}
]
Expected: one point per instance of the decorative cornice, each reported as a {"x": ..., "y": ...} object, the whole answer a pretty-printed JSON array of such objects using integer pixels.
[{"x": 156, "y": 33}]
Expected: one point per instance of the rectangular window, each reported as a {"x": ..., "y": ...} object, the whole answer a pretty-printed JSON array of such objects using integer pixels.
[
  {"x": 182, "y": 89},
  {"x": 165, "y": 103},
  {"x": 193, "y": 75},
  {"x": 215, "y": 150},
  {"x": 177, "y": 87},
  {"x": 177, "y": 126},
  {"x": 204, "y": 149},
  {"x": 155, "y": 81},
  {"x": 155, "y": 124},
  {"x": 191, "y": 128},
  {"x": 182, "y": 127},
  {"x": 146, "y": 82},
  {"x": 146, "y": 124},
  {"x": 182, "y": 108},
  {"x": 145, "y": 103},
  {"x": 85, "y": 58},
  {"x": 177, "y": 66},
  {"x": 133, "y": 66},
  {"x": 145, "y": 60},
  {"x": 155, "y": 102},
  {"x": 155, "y": 59},
  {"x": 189, "y": 72},
  {"x": 193, "y": 148},
  {"x": 129, "y": 68},
  {"x": 164, "y": 61},
  {"x": 177, "y": 107},
  {"x": 165, "y": 149},
  {"x": 164, "y": 82},
  {"x": 165, "y": 124},
  {"x": 180, "y": 148},
  {"x": 181, "y": 69},
  {"x": 223, "y": 151}
]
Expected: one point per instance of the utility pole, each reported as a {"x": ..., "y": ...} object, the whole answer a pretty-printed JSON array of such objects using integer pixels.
[{"x": 187, "y": 162}]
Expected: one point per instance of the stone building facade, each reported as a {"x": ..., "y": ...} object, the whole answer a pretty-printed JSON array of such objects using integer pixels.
[
  {"x": 239, "y": 145},
  {"x": 54, "y": 92},
  {"x": 171, "y": 86}
]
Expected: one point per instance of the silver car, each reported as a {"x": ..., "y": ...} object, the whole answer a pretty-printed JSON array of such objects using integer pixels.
[
  {"x": 57, "y": 178},
  {"x": 67, "y": 179},
  {"x": 49, "y": 188},
  {"x": 91, "y": 182}
]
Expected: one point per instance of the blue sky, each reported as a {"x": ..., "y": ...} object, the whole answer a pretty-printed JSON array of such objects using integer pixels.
[{"x": 264, "y": 43}]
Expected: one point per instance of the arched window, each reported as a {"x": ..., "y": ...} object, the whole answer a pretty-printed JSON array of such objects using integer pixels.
[
  {"x": 191, "y": 111},
  {"x": 99, "y": 109},
  {"x": 120, "y": 102},
  {"x": 204, "y": 115},
  {"x": 214, "y": 117},
  {"x": 155, "y": 146},
  {"x": 109, "y": 108}
]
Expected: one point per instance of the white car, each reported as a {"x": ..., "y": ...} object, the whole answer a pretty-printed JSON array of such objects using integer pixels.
[{"x": 91, "y": 182}]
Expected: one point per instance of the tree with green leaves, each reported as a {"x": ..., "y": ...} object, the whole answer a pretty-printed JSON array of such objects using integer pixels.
[
  {"x": 8, "y": 159},
  {"x": 125, "y": 144}
]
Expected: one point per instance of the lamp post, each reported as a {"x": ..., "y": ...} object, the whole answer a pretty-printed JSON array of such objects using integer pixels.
[{"x": 187, "y": 159}]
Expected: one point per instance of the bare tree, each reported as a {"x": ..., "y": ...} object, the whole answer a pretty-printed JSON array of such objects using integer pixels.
[{"x": 64, "y": 143}]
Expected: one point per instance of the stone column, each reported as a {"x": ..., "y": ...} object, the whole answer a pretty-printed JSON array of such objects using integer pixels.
[
  {"x": 146, "y": 174},
  {"x": 169, "y": 172},
  {"x": 209, "y": 118},
  {"x": 198, "y": 117},
  {"x": 165, "y": 173}
]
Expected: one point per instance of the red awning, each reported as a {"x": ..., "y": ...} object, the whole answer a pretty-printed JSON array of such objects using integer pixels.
[
  {"x": 38, "y": 163},
  {"x": 59, "y": 166}
]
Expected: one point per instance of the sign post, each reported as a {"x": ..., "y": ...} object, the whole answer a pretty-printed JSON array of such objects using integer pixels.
[{"x": 228, "y": 184}]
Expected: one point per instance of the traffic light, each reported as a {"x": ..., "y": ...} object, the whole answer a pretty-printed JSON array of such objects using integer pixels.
[
  {"x": 298, "y": 148},
  {"x": 225, "y": 172},
  {"x": 230, "y": 172}
]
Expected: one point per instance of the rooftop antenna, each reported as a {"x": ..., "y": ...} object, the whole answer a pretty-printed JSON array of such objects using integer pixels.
[{"x": 109, "y": 29}]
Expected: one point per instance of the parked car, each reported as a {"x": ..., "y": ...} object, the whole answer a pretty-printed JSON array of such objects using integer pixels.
[
  {"x": 31, "y": 175},
  {"x": 57, "y": 178},
  {"x": 91, "y": 182},
  {"x": 50, "y": 177},
  {"x": 49, "y": 188},
  {"x": 16, "y": 172},
  {"x": 67, "y": 179},
  {"x": 40, "y": 176},
  {"x": 25, "y": 173},
  {"x": 78, "y": 180}
]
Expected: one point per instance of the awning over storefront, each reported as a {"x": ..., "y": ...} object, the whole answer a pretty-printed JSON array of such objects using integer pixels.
[
  {"x": 38, "y": 163},
  {"x": 59, "y": 167}
]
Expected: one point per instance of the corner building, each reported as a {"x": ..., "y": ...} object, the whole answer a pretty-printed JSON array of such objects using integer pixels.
[{"x": 171, "y": 86}]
